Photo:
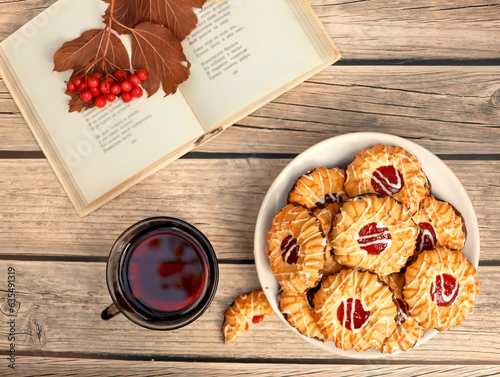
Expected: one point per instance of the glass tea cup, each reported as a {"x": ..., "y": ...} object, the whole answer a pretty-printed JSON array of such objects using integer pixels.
[{"x": 162, "y": 274}]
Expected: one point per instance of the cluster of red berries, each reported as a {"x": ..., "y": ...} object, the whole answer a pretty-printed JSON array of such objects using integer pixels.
[{"x": 106, "y": 90}]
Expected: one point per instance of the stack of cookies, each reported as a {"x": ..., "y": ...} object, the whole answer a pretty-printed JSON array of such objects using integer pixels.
[{"x": 367, "y": 258}]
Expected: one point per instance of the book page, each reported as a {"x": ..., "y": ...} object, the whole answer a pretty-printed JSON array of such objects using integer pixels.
[
  {"x": 240, "y": 52},
  {"x": 100, "y": 148}
]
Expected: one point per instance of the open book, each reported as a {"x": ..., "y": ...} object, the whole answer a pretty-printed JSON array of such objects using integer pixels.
[{"x": 243, "y": 54}]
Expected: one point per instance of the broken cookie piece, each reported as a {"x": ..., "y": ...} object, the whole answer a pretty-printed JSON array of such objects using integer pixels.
[{"x": 246, "y": 310}]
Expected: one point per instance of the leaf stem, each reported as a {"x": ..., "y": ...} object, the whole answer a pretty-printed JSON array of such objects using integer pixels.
[{"x": 111, "y": 9}]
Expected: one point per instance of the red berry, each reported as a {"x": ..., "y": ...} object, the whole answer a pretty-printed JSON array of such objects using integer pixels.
[
  {"x": 137, "y": 92},
  {"x": 127, "y": 97},
  {"x": 92, "y": 82},
  {"x": 134, "y": 80},
  {"x": 83, "y": 86},
  {"x": 143, "y": 74},
  {"x": 95, "y": 92},
  {"x": 77, "y": 80},
  {"x": 86, "y": 95},
  {"x": 116, "y": 89},
  {"x": 100, "y": 102},
  {"x": 111, "y": 97},
  {"x": 104, "y": 87},
  {"x": 110, "y": 81},
  {"x": 120, "y": 76},
  {"x": 126, "y": 86},
  {"x": 97, "y": 75},
  {"x": 71, "y": 86}
]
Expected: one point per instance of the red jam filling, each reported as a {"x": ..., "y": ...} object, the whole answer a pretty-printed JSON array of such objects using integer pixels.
[
  {"x": 444, "y": 290},
  {"x": 426, "y": 239},
  {"x": 352, "y": 317},
  {"x": 374, "y": 240},
  {"x": 387, "y": 180},
  {"x": 257, "y": 318},
  {"x": 290, "y": 250}
]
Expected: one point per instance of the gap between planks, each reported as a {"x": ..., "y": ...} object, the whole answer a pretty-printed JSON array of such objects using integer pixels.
[
  {"x": 98, "y": 259},
  {"x": 35, "y": 155},
  {"x": 257, "y": 360}
]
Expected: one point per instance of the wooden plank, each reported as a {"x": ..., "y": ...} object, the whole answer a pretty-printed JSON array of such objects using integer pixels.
[
  {"x": 446, "y": 109},
  {"x": 221, "y": 197},
  {"x": 36, "y": 366},
  {"x": 412, "y": 29},
  {"x": 417, "y": 29},
  {"x": 60, "y": 305}
]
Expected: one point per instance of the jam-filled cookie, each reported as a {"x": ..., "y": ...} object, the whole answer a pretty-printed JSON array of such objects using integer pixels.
[
  {"x": 389, "y": 171},
  {"x": 355, "y": 310},
  {"x": 246, "y": 310},
  {"x": 318, "y": 188},
  {"x": 298, "y": 312},
  {"x": 373, "y": 233},
  {"x": 440, "y": 288},
  {"x": 325, "y": 216},
  {"x": 296, "y": 248},
  {"x": 439, "y": 225}
]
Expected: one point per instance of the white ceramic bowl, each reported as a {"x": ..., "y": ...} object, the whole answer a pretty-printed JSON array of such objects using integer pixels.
[{"x": 340, "y": 151}]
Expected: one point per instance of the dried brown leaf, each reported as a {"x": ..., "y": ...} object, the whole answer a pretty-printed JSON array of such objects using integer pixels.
[
  {"x": 157, "y": 50},
  {"x": 125, "y": 13},
  {"x": 91, "y": 47},
  {"x": 176, "y": 15}
]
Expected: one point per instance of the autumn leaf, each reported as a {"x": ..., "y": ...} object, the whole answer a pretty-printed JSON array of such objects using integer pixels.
[
  {"x": 99, "y": 46},
  {"x": 176, "y": 15},
  {"x": 157, "y": 50},
  {"x": 125, "y": 12}
]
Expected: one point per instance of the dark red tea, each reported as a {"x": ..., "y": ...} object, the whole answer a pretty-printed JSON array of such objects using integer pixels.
[{"x": 165, "y": 270}]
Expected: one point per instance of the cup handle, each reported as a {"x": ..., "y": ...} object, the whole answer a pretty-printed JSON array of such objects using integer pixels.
[{"x": 110, "y": 312}]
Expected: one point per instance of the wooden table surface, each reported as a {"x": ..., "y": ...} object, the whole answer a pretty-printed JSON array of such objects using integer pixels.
[{"x": 426, "y": 70}]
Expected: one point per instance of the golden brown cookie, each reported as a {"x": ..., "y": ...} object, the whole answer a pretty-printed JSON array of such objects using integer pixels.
[
  {"x": 440, "y": 288},
  {"x": 296, "y": 248},
  {"x": 408, "y": 330},
  {"x": 439, "y": 225},
  {"x": 332, "y": 267},
  {"x": 246, "y": 310},
  {"x": 386, "y": 170},
  {"x": 318, "y": 188},
  {"x": 404, "y": 337},
  {"x": 298, "y": 312},
  {"x": 396, "y": 281},
  {"x": 373, "y": 233},
  {"x": 355, "y": 310},
  {"x": 325, "y": 216}
]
